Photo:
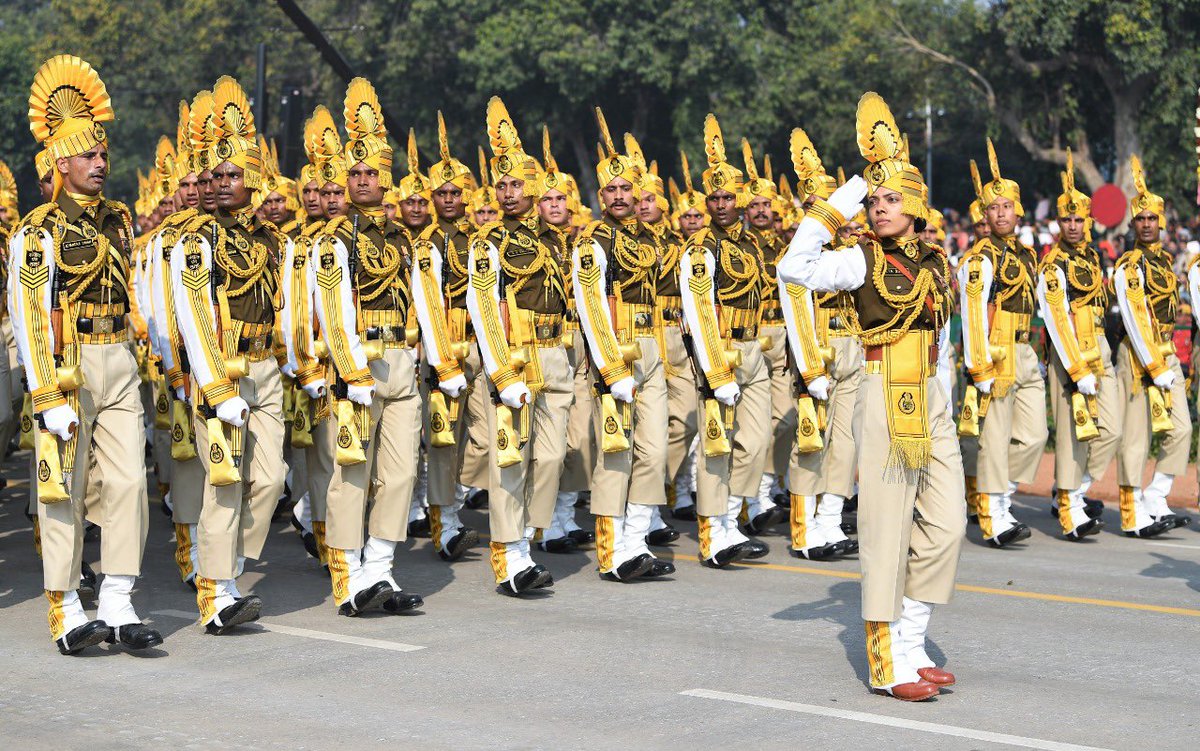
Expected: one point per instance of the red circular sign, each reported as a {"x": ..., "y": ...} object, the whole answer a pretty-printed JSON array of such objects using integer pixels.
[{"x": 1108, "y": 205}]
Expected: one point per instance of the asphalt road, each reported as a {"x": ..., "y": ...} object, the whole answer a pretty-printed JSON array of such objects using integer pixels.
[{"x": 1055, "y": 645}]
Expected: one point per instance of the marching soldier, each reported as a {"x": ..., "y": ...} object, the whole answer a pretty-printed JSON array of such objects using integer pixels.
[
  {"x": 614, "y": 267},
  {"x": 996, "y": 283},
  {"x": 816, "y": 512},
  {"x": 652, "y": 210},
  {"x": 1149, "y": 371},
  {"x": 363, "y": 297},
  {"x": 186, "y": 468},
  {"x": 900, "y": 292},
  {"x": 484, "y": 206},
  {"x": 1071, "y": 298},
  {"x": 225, "y": 282},
  {"x": 71, "y": 257},
  {"x": 517, "y": 297},
  {"x": 312, "y": 367},
  {"x": 555, "y": 205},
  {"x": 969, "y": 444},
  {"x": 720, "y": 276},
  {"x": 761, "y": 512},
  {"x": 456, "y": 417},
  {"x": 689, "y": 217}
]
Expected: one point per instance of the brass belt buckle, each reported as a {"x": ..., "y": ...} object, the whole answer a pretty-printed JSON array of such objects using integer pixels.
[
  {"x": 387, "y": 333},
  {"x": 258, "y": 344},
  {"x": 102, "y": 325},
  {"x": 642, "y": 320}
]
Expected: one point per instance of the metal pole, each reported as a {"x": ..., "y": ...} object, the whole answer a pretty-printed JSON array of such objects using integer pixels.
[
  {"x": 929, "y": 148},
  {"x": 260, "y": 89}
]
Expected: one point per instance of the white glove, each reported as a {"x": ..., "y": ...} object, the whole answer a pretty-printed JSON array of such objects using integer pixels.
[
  {"x": 985, "y": 387},
  {"x": 233, "y": 411},
  {"x": 623, "y": 389},
  {"x": 61, "y": 421},
  {"x": 361, "y": 394},
  {"x": 180, "y": 394},
  {"x": 288, "y": 369},
  {"x": 1087, "y": 385},
  {"x": 1165, "y": 379},
  {"x": 848, "y": 199},
  {"x": 727, "y": 394},
  {"x": 315, "y": 389},
  {"x": 452, "y": 387},
  {"x": 818, "y": 388},
  {"x": 515, "y": 395}
]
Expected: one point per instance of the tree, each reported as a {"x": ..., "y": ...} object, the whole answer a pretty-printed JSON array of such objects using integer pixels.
[{"x": 1109, "y": 78}]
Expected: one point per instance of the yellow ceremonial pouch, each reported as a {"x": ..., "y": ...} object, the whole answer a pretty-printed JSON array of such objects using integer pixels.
[
  {"x": 349, "y": 439},
  {"x": 27, "y": 441},
  {"x": 1085, "y": 426},
  {"x": 1160, "y": 414},
  {"x": 162, "y": 406},
  {"x": 968, "y": 419},
  {"x": 1003, "y": 343},
  {"x": 50, "y": 485},
  {"x": 221, "y": 469},
  {"x": 905, "y": 366},
  {"x": 183, "y": 438},
  {"x": 508, "y": 452},
  {"x": 716, "y": 440},
  {"x": 808, "y": 432},
  {"x": 440, "y": 432},
  {"x": 301, "y": 423},
  {"x": 613, "y": 438}
]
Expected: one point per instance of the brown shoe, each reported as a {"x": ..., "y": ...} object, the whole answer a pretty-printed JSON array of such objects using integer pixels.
[
  {"x": 918, "y": 691},
  {"x": 936, "y": 676}
]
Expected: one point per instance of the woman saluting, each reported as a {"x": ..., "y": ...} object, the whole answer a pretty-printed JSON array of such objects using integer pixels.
[{"x": 898, "y": 305}]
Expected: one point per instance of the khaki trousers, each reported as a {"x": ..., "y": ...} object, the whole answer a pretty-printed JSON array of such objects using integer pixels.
[
  {"x": 783, "y": 405},
  {"x": 718, "y": 477},
  {"x": 1014, "y": 432},
  {"x": 377, "y": 493},
  {"x": 112, "y": 434},
  {"x": 637, "y": 474},
  {"x": 899, "y": 555},
  {"x": 13, "y": 375},
  {"x": 444, "y": 463},
  {"x": 523, "y": 495},
  {"x": 1134, "y": 451},
  {"x": 476, "y": 469},
  {"x": 841, "y": 446},
  {"x": 1110, "y": 423},
  {"x": 1073, "y": 459},
  {"x": 581, "y": 438},
  {"x": 804, "y": 471},
  {"x": 235, "y": 519},
  {"x": 681, "y": 400},
  {"x": 318, "y": 464}
]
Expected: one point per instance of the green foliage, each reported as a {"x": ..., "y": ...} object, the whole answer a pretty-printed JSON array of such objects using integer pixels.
[{"x": 655, "y": 67}]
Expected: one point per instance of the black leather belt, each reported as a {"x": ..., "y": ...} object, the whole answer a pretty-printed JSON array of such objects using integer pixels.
[
  {"x": 672, "y": 314},
  {"x": 643, "y": 320},
  {"x": 386, "y": 333},
  {"x": 772, "y": 314},
  {"x": 571, "y": 316},
  {"x": 100, "y": 324},
  {"x": 254, "y": 344},
  {"x": 547, "y": 331},
  {"x": 1022, "y": 337},
  {"x": 743, "y": 333}
]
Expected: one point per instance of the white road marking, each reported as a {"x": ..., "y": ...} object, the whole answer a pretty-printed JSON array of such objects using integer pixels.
[
  {"x": 1174, "y": 545},
  {"x": 895, "y": 722},
  {"x": 391, "y": 646}
]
